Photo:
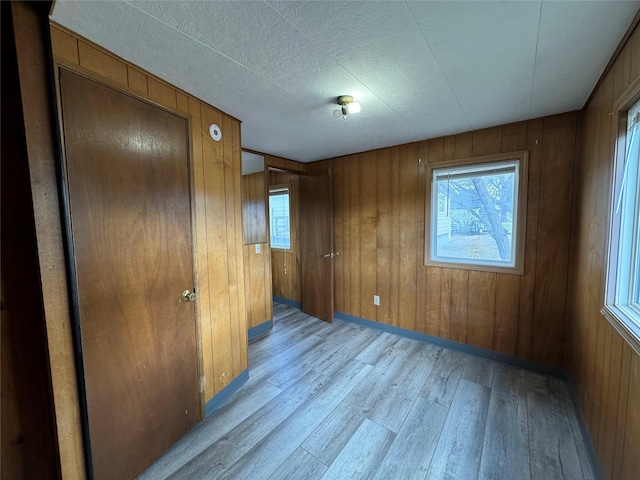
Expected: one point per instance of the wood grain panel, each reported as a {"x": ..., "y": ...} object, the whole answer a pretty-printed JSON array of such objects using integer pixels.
[
  {"x": 383, "y": 240},
  {"x": 28, "y": 443},
  {"x": 605, "y": 368},
  {"x": 203, "y": 305},
  {"x": 408, "y": 204},
  {"x": 282, "y": 163},
  {"x": 481, "y": 309},
  {"x": 137, "y": 81},
  {"x": 558, "y": 150},
  {"x": 30, "y": 42},
  {"x": 459, "y": 299},
  {"x": 495, "y": 311},
  {"x": 254, "y": 208},
  {"x": 182, "y": 101},
  {"x": 421, "y": 273},
  {"x": 64, "y": 45},
  {"x": 355, "y": 224},
  {"x": 101, "y": 63},
  {"x": 369, "y": 214},
  {"x": 338, "y": 231},
  {"x": 394, "y": 213},
  {"x": 528, "y": 280},
  {"x": 162, "y": 93},
  {"x": 506, "y": 314}
]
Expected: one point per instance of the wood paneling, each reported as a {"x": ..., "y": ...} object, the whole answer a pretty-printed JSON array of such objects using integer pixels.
[
  {"x": 218, "y": 249},
  {"x": 30, "y": 44},
  {"x": 280, "y": 163},
  {"x": 379, "y": 201},
  {"x": 257, "y": 285},
  {"x": 29, "y": 447},
  {"x": 606, "y": 369},
  {"x": 285, "y": 265},
  {"x": 254, "y": 209},
  {"x": 257, "y": 265}
]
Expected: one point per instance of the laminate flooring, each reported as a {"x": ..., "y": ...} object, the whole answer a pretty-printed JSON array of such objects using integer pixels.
[{"x": 343, "y": 401}]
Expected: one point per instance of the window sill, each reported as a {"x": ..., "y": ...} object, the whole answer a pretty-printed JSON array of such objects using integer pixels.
[
  {"x": 476, "y": 267},
  {"x": 623, "y": 325}
]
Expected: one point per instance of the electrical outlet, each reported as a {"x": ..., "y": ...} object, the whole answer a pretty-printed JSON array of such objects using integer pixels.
[
  {"x": 376, "y": 300},
  {"x": 257, "y": 248}
]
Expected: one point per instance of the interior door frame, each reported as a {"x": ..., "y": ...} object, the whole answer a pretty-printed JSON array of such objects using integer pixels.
[{"x": 58, "y": 66}]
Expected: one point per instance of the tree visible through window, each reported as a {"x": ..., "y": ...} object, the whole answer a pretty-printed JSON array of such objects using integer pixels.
[{"x": 474, "y": 214}]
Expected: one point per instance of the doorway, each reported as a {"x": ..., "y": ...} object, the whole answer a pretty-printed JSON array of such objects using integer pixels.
[{"x": 303, "y": 266}]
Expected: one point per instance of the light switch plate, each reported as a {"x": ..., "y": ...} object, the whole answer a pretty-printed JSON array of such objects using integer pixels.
[{"x": 257, "y": 248}]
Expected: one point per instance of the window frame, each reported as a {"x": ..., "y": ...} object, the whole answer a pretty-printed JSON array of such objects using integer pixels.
[
  {"x": 520, "y": 223},
  {"x": 275, "y": 190},
  {"x": 625, "y": 318}
]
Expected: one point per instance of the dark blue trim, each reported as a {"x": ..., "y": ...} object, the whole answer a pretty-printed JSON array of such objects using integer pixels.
[
  {"x": 217, "y": 401},
  {"x": 258, "y": 329},
  {"x": 498, "y": 357},
  {"x": 460, "y": 347},
  {"x": 286, "y": 301},
  {"x": 577, "y": 408}
]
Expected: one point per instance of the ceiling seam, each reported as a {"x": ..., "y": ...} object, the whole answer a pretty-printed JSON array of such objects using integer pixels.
[
  {"x": 535, "y": 60},
  {"x": 338, "y": 62},
  {"x": 216, "y": 51},
  {"x": 438, "y": 64}
]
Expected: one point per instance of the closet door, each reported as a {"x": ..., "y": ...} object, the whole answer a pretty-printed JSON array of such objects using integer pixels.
[{"x": 128, "y": 189}]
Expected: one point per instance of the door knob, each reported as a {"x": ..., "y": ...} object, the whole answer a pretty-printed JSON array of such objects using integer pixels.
[
  {"x": 188, "y": 296},
  {"x": 329, "y": 255}
]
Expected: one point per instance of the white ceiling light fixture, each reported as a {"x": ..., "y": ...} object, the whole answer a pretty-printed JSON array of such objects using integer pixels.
[{"x": 347, "y": 106}]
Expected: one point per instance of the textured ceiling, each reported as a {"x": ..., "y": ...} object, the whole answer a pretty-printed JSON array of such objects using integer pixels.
[{"x": 419, "y": 69}]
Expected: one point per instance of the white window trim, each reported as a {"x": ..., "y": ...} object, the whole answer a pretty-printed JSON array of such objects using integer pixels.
[
  {"x": 624, "y": 318},
  {"x": 279, "y": 190},
  {"x": 520, "y": 215}
]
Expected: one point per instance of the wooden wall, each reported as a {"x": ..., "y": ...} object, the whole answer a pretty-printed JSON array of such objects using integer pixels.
[
  {"x": 379, "y": 201},
  {"x": 254, "y": 208},
  {"x": 28, "y": 441},
  {"x": 606, "y": 369},
  {"x": 257, "y": 266},
  {"x": 216, "y": 204},
  {"x": 257, "y": 274},
  {"x": 285, "y": 265}
]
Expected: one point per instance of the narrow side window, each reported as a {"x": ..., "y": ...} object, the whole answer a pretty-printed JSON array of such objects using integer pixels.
[{"x": 279, "y": 219}]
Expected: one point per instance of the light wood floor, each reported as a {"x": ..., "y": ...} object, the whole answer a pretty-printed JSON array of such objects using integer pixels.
[{"x": 344, "y": 401}]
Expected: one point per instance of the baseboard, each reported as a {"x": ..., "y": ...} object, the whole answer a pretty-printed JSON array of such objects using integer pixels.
[
  {"x": 460, "y": 347},
  {"x": 258, "y": 329},
  {"x": 498, "y": 357},
  {"x": 286, "y": 301},
  {"x": 218, "y": 400},
  {"x": 577, "y": 407}
]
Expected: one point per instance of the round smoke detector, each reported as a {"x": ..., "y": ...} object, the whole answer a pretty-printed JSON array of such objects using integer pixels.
[{"x": 215, "y": 132}]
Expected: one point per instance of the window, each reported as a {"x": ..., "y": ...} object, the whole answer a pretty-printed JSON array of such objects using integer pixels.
[
  {"x": 279, "y": 220},
  {"x": 622, "y": 289},
  {"x": 476, "y": 213}
]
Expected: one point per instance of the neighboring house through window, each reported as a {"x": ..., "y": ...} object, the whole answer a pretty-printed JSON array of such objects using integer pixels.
[{"x": 476, "y": 211}]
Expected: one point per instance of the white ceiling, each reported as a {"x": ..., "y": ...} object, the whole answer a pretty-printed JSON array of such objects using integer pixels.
[{"x": 419, "y": 69}]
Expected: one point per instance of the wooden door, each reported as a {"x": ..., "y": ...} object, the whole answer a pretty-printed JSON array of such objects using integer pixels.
[
  {"x": 128, "y": 190},
  {"x": 316, "y": 238}
]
